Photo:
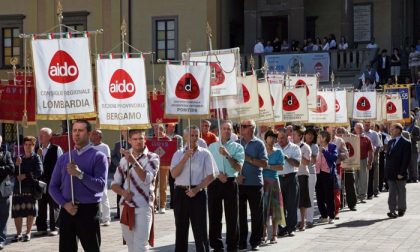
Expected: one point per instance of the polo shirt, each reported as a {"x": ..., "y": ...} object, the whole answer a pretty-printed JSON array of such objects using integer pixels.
[
  {"x": 235, "y": 150},
  {"x": 255, "y": 148},
  {"x": 365, "y": 146},
  {"x": 292, "y": 151}
]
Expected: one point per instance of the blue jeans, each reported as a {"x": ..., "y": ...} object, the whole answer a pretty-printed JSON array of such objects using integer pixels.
[{"x": 4, "y": 216}]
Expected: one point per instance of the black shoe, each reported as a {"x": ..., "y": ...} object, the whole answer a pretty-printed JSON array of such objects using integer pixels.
[
  {"x": 17, "y": 238},
  {"x": 362, "y": 201},
  {"x": 392, "y": 215},
  {"x": 242, "y": 247},
  {"x": 41, "y": 233},
  {"x": 291, "y": 233},
  {"x": 369, "y": 198},
  {"x": 255, "y": 248},
  {"x": 401, "y": 213},
  {"x": 282, "y": 233},
  {"x": 26, "y": 237},
  {"x": 376, "y": 195},
  {"x": 353, "y": 209}
]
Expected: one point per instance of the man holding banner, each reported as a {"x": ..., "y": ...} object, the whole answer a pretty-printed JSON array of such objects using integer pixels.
[{"x": 79, "y": 219}]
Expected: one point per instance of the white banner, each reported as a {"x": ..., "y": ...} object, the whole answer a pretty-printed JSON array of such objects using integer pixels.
[
  {"x": 394, "y": 108},
  {"x": 276, "y": 79},
  {"x": 380, "y": 107},
  {"x": 247, "y": 102},
  {"x": 353, "y": 147},
  {"x": 364, "y": 105},
  {"x": 224, "y": 69},
  {"x": 63, "y": 78},
  {"x": 324, "y": 112},
  {"x": 265, "y": 101},
  {"x": 350, "y": 102},
  {"x": 277, "y": 95},
  {"x": 310, "y": 83},
  {"x": 341, "y": 107},
  {"x": 187, "y": 90},
  {"x": 295, "y": 108},
  {"x": 122, "y": 93}
]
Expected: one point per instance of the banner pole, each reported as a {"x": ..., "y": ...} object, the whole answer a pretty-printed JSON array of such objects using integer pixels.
[{"x": 14, "y": 61}]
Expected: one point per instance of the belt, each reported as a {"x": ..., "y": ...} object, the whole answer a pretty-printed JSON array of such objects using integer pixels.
[
  {"x": 288, "y": 175},
  {"x": 184, "y": 187},
  {"x": 229, "y": 179}
]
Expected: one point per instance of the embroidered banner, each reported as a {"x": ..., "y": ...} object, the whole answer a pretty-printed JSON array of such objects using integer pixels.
[
  {"x": 404, "y": 91},
  {"x": 12, "y": 103},
  {"x": 364, "y": 106},
  {"x": 63, "y": 78},
  {"x": 310, "y": 83},
  {"x": 394, "y": 107},
  {"x": 157, "y": 109},
  {"x": 295, "y": 108},
  {"x": 164, "y": 148},
  {"x": 324, "y": 112}
]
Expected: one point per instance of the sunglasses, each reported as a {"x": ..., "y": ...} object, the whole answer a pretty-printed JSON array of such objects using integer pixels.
[{"x": 245, "y": 126}]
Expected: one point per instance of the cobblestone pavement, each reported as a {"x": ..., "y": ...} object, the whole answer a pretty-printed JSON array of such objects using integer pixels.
[{"x": 368, "y": 229}]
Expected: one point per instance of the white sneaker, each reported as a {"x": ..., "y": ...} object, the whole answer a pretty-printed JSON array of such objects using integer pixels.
[
  {"x": 331, "y": 221},
  {"x": 106, "y": 223},
  {"x": 162, "y": 210},
  {"x": 323, "y": 220}
]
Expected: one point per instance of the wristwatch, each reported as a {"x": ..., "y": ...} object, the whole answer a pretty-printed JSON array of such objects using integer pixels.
[{"x": 80, "y": 176}]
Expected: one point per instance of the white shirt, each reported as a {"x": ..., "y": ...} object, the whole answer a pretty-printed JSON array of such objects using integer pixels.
[
  {"x": 150, "y": 162},
  {"x": 326, "y": 47},
  {"x": 333, "y": 43},
  {"x": 371, "y": 46},
  {"x": 104, "y": 148},
  {"x": 292, "y": 151},
  {"x": 374, "y": 138},
  {"x": 259, "y": 48},
  {"x": 202, "y": 165},
  {"x": 342, "y": 46},
  {"x": 306, "y": 153},
  {"x": 45, "y": 150}
]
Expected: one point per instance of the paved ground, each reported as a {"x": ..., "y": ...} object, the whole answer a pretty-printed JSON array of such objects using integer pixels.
[{"x": 368, "y": 229}]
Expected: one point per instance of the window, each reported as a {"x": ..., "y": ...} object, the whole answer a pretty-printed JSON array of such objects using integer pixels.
[
  {"x": 76, "y": 20},
  {"x": 165, "y": 37},
  {"x": 10, "y": 43}
]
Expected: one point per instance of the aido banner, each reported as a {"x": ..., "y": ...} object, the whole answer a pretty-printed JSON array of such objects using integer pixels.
[
  {"x": 364, "y": 106},
  {"x": 247, "y": 103},
  {"x": 63, "y": 78},
  {"x": 341, "y": 107},
  {"x": 310, "y": 83},
  {"x": 324, "y": 111},
  {"x": 295, "y": 107},
  {"x": 122, "y": 94}
]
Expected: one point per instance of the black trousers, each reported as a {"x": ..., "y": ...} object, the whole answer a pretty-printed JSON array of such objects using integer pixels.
[
  {"x": 84, "y": 225},
  {"x": 325, "y": 194},
  {"x": 370, "y": 182},
  {"x": 118, "y": 205},
  {"x": 254, "y": 196},
  {"x": 290, "y": 192},
  {"x": 43, "y": 204},
  {"x": 382, "y": 179},
  {"x": 192, "y": 210},
  {"x": 171, "y": 190},
  {"x": 227, "y": 193},
  {"x": 350, "y": 188}
]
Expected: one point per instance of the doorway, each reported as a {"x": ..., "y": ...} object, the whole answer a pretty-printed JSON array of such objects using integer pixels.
[{"x": 274, "y": 26}]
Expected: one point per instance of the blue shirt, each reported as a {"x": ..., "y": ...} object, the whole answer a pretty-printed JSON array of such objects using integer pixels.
[
  {"x": 235, "y": 150},
  {"x": 255, "y": 149},
  {"x": 275, "y": 158}
]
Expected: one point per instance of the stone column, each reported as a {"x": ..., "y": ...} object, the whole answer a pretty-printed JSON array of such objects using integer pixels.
[
  {"x": 347, "y": 20},
  {"x": 250, "y": 25}
]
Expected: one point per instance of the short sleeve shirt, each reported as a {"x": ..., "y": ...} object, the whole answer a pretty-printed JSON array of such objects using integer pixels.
[
  {"x": 314, "y": 150},
  {"x": 235, "y": 150},
  {"x": 275, "y": 158},
  {"x": 365, "y": 147},
  {"x": 292, "y": 151},
  {"x": 255, "y": 148},
  {"x": 306, "y": 153}
]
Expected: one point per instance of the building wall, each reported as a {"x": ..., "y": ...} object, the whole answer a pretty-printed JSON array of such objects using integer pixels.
[{"x": 329, "y": 16}]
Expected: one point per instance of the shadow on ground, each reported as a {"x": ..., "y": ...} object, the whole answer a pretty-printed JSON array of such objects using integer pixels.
[{"x": 357, "y": 223}]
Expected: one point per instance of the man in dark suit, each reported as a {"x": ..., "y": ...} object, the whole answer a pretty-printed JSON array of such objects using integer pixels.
[
  {"x": 398, "y": 161},
  {"x": 384, "y": 66}
]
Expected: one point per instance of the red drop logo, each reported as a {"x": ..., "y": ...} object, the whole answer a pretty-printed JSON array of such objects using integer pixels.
[
  {"x": 290, "y": 102},
  {"x": 363, "y": 104},
  {"x": 63, "y": 68},
  {"x": 260, "y": 101},
  {"x": 121, "y": 85},
  {"x": 321, "y": 105},
  {"x": 318, "y": 67},
  {"x": 391, "y": 108},
  {"x": 245, "y": 93},
  {"x": 337, "y": 106},
  {"x": 350, "y": 149},
  {"x": 187, "y": 87},
  {"x": 302, "y": 83},
  {"x": 217, "y": 75}
]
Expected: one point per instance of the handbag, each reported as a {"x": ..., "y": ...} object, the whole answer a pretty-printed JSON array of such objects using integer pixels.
[
  {"x": 6, "y": 187},
  {"x": 39, "y": 188},
  {"x": 127, "y": 216}
]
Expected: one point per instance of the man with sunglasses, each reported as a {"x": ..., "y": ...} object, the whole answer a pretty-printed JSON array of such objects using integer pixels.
[{"x": 251, "y": 186}]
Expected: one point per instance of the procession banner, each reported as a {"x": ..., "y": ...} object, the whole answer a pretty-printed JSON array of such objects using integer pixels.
[
  {"x": 350, "y": 102},
  {"x": 157, "y": 109},
  {"x": 224, "y": 102},
  {"x": 122, "y": 93},
  {"x": 364, "y": 106},
  {"x": 295, "y": 107},
  {"x": 265, "y": 102},
  {"x": 12, "y": 103},
  {"x": 63, "y": 142},
  {"x": 63, "y": 77},
  {"x": 341, "y": 116},
  {"x": 224, "y": 66},
  {"x": 324, "y": 113},
  {"x": 302, "y": 63},
  {"x": 247, "y": 103},
  {"x": 164, "y": 148},
  {"x": 394, "y": 110},
  {"x": 353, "y": 147},
  {"x": 310, "y": 83},
  {"x": 276, "y": 78},
  {"x": 380, "y": 107},
  {"x": 187, "y": 91},
  {"x": 404, "y": 91},
  {"x": 277, "y": 95}
]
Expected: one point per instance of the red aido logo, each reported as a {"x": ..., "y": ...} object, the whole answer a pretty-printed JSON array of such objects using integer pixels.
[
  {"x": 260, "y": 101},
  {"x": 321, "y": 105},
  {"x": 290, "y": 102},
  {"x": 187, "y": 87},
  {"x": 63, "y": 68},
  {"x": 363, "y": 104},
  {"x": 121, "y": 85},
  {"x": 302, "y": 83},
  {"x": 337, "y": 106},
  {"x": 217, "y": 75},
  {"x": 391, "y": 108},
  {"x": 245, "y": 94},
  {"x": 350, "y": 149}
]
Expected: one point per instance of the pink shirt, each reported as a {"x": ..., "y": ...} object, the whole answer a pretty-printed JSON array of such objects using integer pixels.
[{"x": 321, "y": 163}]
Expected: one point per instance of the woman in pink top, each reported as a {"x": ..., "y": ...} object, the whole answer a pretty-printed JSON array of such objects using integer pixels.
[{"x": 326, "y": 170}]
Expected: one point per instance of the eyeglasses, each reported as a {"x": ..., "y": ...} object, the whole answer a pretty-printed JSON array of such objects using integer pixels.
[{"x": 245, "y": 126}]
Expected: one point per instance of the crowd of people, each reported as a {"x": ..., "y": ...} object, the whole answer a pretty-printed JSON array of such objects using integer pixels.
[{"x": 275, "y": 172}]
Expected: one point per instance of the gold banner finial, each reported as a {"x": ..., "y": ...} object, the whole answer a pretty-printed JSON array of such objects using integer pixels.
[
  {"x": 123, "y": 28},
  {"x": 208, "y": 30},
  {"x": 59, "y": 11},
  {"x": 251, "y": 61},
  {"x": 162, "y": 83},
  {"x": 188, "y": 45}
]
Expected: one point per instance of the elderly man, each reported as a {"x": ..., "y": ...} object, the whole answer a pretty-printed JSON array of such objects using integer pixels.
[
  {"x": 289, "y": 182},
  {"x": 96, "y": 140},
  {"x": 373, "y": 187},
  {"x": 397, "y": 163},
  {"x": 251, "y": 186},
  {"x": 49, "y": 154},
  {"x": 229, "y": 157},
  {"x": 366, "y": 158},
  {"x": 193, "y": 168},
  {"x": 208, "y": 136},
  {"x": 134, "y": 181}
]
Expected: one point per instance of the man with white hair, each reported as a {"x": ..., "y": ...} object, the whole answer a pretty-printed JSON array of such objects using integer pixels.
[
  {"x": 96, "y": 140},
  {"x": 49, "y": 154}
]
